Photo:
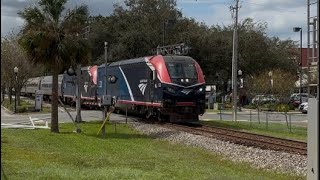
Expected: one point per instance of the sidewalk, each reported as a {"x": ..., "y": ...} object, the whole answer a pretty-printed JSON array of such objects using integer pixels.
[
  {"x": 274, "y": 112},
  {"x": 247, "y": 111}
]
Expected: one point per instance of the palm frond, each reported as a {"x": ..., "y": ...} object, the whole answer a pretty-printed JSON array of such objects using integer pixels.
[
  {"x": 33, "y": 16},
  {"x": 53, "y": 8},
  {"x": 75, "y": 20}
]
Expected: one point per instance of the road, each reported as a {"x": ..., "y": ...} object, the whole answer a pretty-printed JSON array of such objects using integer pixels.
[
  {"x": 90, "y": 115},
  {"x": 87, "y": 115},
  {"x": 296, "y": 117}
]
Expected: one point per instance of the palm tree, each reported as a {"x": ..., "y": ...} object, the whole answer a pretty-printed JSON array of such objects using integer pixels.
[{"x": 50, "y": 38}]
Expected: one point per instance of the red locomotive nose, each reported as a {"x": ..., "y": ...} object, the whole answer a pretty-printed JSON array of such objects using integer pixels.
[{"x": 177, "y": 67}]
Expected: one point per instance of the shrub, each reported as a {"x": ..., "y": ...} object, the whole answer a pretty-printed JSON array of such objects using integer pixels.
[
  {"x": 270, "y": 106},
  {"x": 22, "y": 109},
  {"x": 291, "y": 107},
  {"x": 227, "y": 105},
  {"x": 283, "y": 108},
  {"x": 250, "y": 106}
]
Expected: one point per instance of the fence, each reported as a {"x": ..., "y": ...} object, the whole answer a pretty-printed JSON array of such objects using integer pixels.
[{"x": 292, "y": 122}]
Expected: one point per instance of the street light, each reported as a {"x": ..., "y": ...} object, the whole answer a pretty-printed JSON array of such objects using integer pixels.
[
  {"x": 15, "y": 70},
  {"x": 240, "y": 85},
  {"x": 271, "y": 80},
  {"x": 229, "y": 84},
  {"x": 299, "y": 29}
]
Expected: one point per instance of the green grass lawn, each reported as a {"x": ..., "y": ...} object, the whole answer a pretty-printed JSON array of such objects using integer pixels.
[
  {"x": 274, "y": 129},
  {"x": 39, "y": 154}
]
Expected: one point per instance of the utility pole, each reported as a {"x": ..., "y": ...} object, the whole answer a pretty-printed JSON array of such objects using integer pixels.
[
  {"x": 78, "y": 91},
  {"x": 105, "y": 112},
  {"x": 300, "y": 67},
  {"x": 234, "y": 58},
  {"x": 78, "y": 94},
  {"x": 85, "y": 35},
  {"x": 106, "y": 61}
]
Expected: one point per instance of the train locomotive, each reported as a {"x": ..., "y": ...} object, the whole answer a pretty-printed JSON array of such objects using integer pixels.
[{"x": 167, "y": 87}]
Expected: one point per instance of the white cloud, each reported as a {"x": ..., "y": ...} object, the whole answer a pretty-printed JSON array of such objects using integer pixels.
[
  {"x": 11, "y": 21},
  {"x": 281, "y": 15},
  {"x": 10, "y": 24}
]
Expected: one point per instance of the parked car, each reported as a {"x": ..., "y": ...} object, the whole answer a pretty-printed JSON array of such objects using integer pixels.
[
  {"x": 295, "y": 98},
  {"x": 264, "y": 99},
  {"x": 303, "y": 107}
]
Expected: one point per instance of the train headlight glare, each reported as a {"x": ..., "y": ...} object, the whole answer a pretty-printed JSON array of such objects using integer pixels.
[{"x": 201, "y": 89}]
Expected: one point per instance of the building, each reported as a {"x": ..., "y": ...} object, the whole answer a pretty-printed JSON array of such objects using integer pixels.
[{"x": 313, "y": 73}]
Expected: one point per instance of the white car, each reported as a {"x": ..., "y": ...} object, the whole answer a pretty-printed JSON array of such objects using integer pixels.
[{"x": 303, "y": 107}]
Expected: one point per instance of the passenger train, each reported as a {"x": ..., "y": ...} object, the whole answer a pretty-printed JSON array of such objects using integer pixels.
[{"x": 168, "y": 87}]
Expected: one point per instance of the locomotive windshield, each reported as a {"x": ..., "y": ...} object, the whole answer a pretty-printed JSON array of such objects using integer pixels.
[{"x": 178, "y": 70}]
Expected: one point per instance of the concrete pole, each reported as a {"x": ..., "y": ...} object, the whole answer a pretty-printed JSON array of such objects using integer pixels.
[
  {"x": 308, "y": 46},
  {"x": 78, "y": 91},
  {"x": 300, "y": 77},
  {"x": 317, "y": 39},
  {"x": 106, "y": 58},
  {"x": 234, "y": 62},
  {"x": 105, "y": 111},
  {"x": 78, "y": 94}
]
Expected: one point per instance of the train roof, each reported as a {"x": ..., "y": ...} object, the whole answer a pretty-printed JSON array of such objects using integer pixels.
[
  {"x": 145, "y": 59},
  {"x": 46, "y": 79},
  {"x": 34, "y": 80},
  {"x": 129, "y": 61},
  {"x": 177, "y": 58}
]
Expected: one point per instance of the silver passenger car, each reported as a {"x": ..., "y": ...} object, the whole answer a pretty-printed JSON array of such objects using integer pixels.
[{"x": 46, "y": 85}]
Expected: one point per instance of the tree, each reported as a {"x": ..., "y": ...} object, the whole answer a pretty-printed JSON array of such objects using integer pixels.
[
  {"x": 132, "y": 30},
  {"x": 50, "y": 38},
  {"x": 281, "y": 84},
  {"x": 12, "y": 55}
]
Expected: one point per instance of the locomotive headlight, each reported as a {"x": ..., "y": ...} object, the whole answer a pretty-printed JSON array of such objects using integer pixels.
[{"x": 200, "y": 89}]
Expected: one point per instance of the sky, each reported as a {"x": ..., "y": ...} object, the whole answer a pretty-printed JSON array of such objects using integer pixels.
[{"x": 280, "y": 15}]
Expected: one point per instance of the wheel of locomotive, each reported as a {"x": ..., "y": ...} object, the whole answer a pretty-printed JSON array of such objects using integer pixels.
[
  {"x": 117, "y": 110},
  {"x": 147, "y": 115},
  {"x": 161, "y": 117}
]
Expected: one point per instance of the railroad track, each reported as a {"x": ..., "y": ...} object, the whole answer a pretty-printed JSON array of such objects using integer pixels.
[{"x": 243, "y": 138}]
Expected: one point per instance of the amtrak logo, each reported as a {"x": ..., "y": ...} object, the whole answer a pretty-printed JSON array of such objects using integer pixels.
[
  {"x": 142, "y": 87},
  {"x": 85, "y": 87},
  {"x": 186, "y": 91}
]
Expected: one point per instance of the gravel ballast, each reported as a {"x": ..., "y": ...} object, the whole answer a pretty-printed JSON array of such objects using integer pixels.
[{"x": 264, "y": 159}]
